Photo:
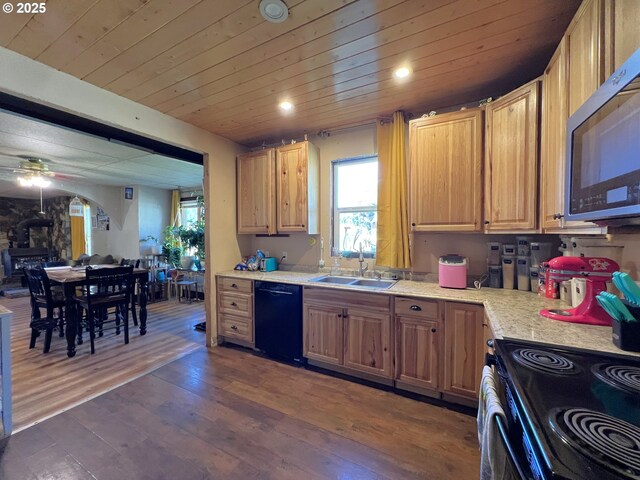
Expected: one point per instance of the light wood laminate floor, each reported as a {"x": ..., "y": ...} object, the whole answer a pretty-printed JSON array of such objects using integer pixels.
[
  {"x": 229, "y": 414},
  {"x": 45, "y": 384}
]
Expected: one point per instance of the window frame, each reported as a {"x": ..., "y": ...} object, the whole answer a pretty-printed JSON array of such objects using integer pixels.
[{"x": 335, "y": 211}]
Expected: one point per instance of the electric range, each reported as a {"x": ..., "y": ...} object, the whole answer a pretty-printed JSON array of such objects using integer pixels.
[{"x": 572, "y": 414}]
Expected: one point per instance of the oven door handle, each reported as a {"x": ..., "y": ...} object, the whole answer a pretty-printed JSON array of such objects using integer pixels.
[{"x": 509, "y": 449}]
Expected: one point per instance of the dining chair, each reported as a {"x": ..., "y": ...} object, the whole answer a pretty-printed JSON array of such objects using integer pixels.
[
  {"x": 43, "y": 297},
  {"x": 107, "y": 288}
]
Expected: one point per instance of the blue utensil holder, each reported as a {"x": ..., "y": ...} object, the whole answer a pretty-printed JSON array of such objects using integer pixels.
[{"x": 626, "y": 335}]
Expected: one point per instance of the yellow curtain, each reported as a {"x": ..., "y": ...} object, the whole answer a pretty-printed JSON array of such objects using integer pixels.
[
  {"x": 392, "y": 248},
  {"x": 78, "y": 241},
  {"x": 175, "y": 207}
]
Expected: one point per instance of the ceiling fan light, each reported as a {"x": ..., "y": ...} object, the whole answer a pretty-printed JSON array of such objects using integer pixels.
[
  {"x": 41, "y": 182},
  {"x": 25, "y": 182},
  {"x": 274, "y": 11},
  {"x": 76, "y": 208}
]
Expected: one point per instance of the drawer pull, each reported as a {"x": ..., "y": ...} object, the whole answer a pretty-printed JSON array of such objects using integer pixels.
[
  {"x": 433, "y": 330},
  {"x": 416, "y": 308},
  {"x": 233, "y": 327},
  {"x": 233, "y": 285},
  {"x": 234, "y": 304}
]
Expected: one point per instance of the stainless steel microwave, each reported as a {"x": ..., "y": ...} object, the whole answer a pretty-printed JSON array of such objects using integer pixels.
[{"x": 603, "y": 152}]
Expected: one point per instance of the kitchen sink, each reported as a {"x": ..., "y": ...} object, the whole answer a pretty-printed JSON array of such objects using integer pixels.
[
  {"x": 355, "y": 282},
  {"x": 371, "y": 283},
  {"x": 333, "y": 279}
]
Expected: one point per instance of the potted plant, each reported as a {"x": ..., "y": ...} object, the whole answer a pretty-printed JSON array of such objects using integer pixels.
[
  {"x": 192, "y": 238},
  {"x": 172, "y": 247},
  {"x": 153, "y": 243}
]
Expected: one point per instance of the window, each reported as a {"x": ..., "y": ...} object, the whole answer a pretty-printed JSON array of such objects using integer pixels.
[
  {"x": 355, "y": 202},
  {"x": 190, "y": 211}
]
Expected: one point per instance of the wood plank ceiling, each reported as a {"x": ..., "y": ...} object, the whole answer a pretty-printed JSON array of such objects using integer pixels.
[{"x": 219, "y": 65}]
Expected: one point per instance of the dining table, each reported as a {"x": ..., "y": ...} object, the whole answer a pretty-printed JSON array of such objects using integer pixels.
[{"x": 70, "y": 278}]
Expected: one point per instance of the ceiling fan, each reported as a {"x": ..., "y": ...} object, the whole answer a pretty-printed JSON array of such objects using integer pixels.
[{"x": 33, "y": 170}]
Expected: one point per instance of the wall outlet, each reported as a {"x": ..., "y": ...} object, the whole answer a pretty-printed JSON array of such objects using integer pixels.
[{"x": 284, "y": 256}]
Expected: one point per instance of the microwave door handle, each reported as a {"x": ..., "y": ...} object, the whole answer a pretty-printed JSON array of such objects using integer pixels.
[{"x": 509, "y": 449}]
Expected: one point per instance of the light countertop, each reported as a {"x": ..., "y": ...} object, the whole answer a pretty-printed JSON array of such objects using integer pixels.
[{"x": 511, "y": 313}]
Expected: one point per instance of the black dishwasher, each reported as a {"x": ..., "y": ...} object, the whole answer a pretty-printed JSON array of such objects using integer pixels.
[{"x": 278, "y": 320}]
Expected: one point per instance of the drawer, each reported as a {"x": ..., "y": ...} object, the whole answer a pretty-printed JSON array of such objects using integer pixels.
[
  {"x": 415, "y": 307},
  {"x": 239, "y": 304},
  {"x": 235, "y": 327},
  {"x": 235, "y": 285}
]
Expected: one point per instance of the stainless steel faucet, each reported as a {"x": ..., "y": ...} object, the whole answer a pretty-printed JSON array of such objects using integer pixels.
[{"x": 364, "y": 266}]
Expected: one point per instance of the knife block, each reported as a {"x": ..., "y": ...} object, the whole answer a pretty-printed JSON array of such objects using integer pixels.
[{"x": 626, "y": 335}]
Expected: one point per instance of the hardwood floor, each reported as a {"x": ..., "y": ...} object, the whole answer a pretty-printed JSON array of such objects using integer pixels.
[
  {"x": 225, "y": 413},
  {"x": 46, "y": 384}
]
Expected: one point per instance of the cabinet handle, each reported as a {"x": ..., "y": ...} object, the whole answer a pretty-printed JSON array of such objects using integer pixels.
[
  {"x": 413, "y": 224},
  {"x": 234, "y": 304},
  {"x": 267, "y": 227},
  {"x": 233, "y": 327},
  {"x": 233, "y": 285},
  {"x": 487, "y": 222},
  {"x": 339, "y": 315},
  {"x": 415, "y": 308},
  {"x": 433, "y": 330},
  {"x": 557, "y": 216}
]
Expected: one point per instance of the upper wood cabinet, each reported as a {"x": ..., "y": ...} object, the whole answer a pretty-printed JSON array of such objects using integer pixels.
[
  {"x": 463, "y": 349},
  {"x": 277, "y": 190},
  {"x": 586, "y": 55},
  {"x": 625, "y": 22},
  {"x": 256, "y": 199},
  {"x": 511, "y": 160},
  {"x": 553, "y": 141},
  {"x": 446, "y": 160},
  {"x": 297, "y": 188}
]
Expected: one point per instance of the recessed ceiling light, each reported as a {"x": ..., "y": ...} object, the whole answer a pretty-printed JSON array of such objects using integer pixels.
[
  {"x": 402, "y": 72},
  {"x": 274, "y": 11},
  {"x": 286, "y": 106}
]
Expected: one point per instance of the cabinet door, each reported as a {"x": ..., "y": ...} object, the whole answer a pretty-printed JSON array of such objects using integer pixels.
[
  {"x": 256, "y": 199},
  {"x": 322, "y": 331},
  {"x": 511, "y": 179},
  {"x": 463, "y": 349},
  {"x": 554, "y": 130},
  {"x": 446, "y": 172},
  {"x": 585, "y": 47},
  {"x": 368, "y": 342},
  {"x": 626, "y": 31},
  {"x": 292, "y": 188},
  {"x": 418, "y": 351}
]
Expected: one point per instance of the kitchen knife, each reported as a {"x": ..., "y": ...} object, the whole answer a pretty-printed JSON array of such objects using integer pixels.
[
  {"x": 619, "y": 306},
  {"x": 627, "y": 286}
]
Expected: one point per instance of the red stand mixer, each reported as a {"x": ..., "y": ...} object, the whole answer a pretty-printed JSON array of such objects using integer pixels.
[{"x": 597, "y": 271}]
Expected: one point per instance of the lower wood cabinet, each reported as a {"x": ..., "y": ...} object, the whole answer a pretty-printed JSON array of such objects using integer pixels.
[
  {"x": 367, "y": 341},
  {"x": 463, "y": 349},
  {"x": 235, "y": 310},
  {"x": 418, "y": 339},
  {"x": 348, "y": 331},
  {"x": 322, "y": 333}
]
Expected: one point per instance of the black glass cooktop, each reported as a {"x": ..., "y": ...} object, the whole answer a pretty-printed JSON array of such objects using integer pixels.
[{"x": 580, "y": 409}]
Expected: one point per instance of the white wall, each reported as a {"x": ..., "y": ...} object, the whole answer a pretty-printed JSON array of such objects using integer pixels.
[
  {"x": 29, "y": 79},
  {"x": 154, "y": 214}
]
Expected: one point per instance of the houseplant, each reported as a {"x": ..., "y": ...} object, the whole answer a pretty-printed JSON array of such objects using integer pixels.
[{"x": 172, "y": 247}]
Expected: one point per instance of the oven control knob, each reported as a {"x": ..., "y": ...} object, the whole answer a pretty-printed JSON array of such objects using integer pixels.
[{"x": 490, "y": 343}]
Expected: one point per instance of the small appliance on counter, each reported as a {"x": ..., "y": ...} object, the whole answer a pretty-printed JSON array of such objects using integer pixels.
[
  {"x": 596, "y": 271},
  {"x": 452, "y": 271},
  {"x": 268, "y": 264}
]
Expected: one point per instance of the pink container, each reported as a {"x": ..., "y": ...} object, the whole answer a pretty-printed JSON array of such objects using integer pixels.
[{"x": 452, "y": 271}]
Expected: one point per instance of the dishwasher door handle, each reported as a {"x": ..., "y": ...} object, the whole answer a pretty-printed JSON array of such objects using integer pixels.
[{"x": 275, "y": 292}]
